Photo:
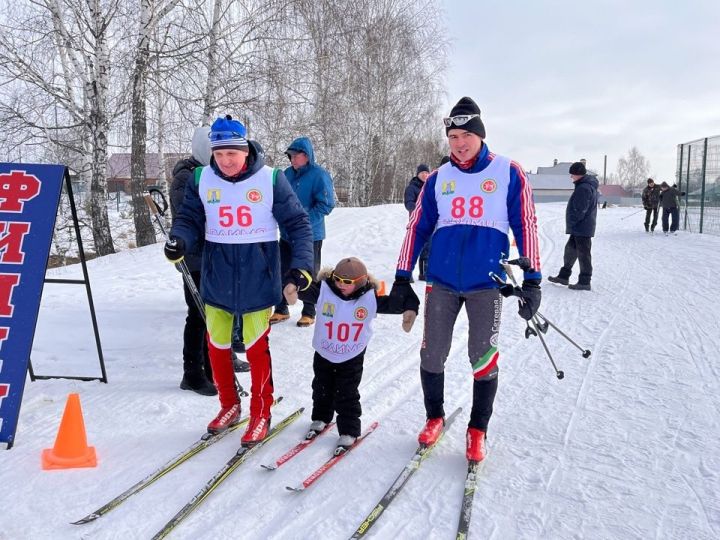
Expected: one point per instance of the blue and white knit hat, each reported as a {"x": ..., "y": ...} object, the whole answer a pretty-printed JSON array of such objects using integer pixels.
[{"x": 227, "y": 134}]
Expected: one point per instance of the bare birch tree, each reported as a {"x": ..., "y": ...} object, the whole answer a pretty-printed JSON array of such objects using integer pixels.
[{"x": 56, "y": 54}]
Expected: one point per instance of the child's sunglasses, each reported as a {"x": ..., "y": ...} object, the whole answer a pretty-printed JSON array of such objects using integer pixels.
[{"x": 347, "y": 281}]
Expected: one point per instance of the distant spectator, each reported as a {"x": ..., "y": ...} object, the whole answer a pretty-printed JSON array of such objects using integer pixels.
[
  {"x": 412, "y": 192},
  {"x": 650, "y": 200},
  {"x": 580, "y": 219},
  {"x": 670, "y": 202}
]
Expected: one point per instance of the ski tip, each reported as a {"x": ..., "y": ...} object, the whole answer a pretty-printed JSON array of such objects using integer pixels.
[
  {"x": 269, "y": 467},
  {"x": 295, "y": 489},
  {"x": 86, "y": 519},
  {"x": 279, "y": 399}
]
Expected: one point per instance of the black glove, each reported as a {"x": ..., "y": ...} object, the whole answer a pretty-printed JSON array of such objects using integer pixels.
[
  {"x": 175, "y": 249},
  {"x": 530, "y": 295},
  {"x": 402, "y": 297},
  {"x": 300, "y": 278}
]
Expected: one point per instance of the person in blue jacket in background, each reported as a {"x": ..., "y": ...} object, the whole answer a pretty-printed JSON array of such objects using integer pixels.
[
  {"x": 313, "y": 186},
  {"x": 237, "y": 205}
]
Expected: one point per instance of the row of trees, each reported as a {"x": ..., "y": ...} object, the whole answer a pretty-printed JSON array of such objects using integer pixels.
[{"x": 81, "y": 79}]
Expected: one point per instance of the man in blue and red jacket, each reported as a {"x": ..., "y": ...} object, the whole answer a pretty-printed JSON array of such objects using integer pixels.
[{"x": 468, "y": 206}]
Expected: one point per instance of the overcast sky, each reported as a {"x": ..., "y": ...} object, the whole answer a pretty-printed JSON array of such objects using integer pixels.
[{"x": 581, "y": 79}]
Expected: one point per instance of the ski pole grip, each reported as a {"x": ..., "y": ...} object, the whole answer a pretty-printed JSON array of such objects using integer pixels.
[{"x": 151, "y": 204}]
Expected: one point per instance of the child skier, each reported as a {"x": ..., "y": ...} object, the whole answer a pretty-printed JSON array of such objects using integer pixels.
[
  {"x": 347, "y": 302},
  {"x": 236, "y": 204}
]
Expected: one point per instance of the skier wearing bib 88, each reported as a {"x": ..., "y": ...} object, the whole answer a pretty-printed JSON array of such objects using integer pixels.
[
  {"x": 236, "y": 205},
  {"x": 347, "y": 302},
  {"x": 467, "y": 205}
]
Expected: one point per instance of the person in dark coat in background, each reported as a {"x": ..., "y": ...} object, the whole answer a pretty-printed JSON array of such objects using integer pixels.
[
  {"x": 670, "y": 202},
  {"x": 650, "y": 200},
  {"x": 580, "y": 219},
  {"x": 197, "y": 373},
  {"x": 412, "y": 192}
]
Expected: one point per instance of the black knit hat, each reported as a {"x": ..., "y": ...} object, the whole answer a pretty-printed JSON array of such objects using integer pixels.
[
  {"x": 578, "y": 168},
  {"x": 422, "y": 168},
  {"x": 466, "y": 106}
]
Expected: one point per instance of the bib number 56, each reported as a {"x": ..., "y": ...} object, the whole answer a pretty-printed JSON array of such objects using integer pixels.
[{"x": 242, "y": 216}]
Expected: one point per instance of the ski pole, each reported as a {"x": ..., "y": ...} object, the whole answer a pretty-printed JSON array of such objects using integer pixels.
[
  {"x": 531, "y": 329},
  {"x": 585, "y": 352},
  {"x": 542, "y": 327},
  {"x": 153, "y": 199},
  {"x": 157, "y": 212},
  {"x": 524, "y": 264},
  {"x": 631, "y": 215},
  {"x": 558, "y": 372}
]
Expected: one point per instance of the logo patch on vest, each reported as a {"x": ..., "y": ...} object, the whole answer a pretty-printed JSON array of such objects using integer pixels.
[
  {"x": 254, "y": 196},
  {"x": 328, "y": 309},
  {"x": 489, "y": 185},
  {"x": 361, "y": 314},
  {"x": 448, "y": 188},
  {"x": 213, "y": 196}
]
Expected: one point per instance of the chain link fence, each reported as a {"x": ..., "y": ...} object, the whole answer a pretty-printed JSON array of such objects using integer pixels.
[{"x": 698, "y": 175}]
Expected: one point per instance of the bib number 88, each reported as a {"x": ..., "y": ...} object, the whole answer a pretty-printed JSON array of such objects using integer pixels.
[{"x": 459, "y": 207}]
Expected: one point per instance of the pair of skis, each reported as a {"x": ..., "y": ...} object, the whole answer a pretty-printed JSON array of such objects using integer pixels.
[
  {"x": 412, "y": 466},
  {"x": 206, "y": 440},
  {"x": 320, "y": 471}
]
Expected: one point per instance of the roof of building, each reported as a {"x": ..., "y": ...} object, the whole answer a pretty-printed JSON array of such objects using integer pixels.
[
  {"x": 613, "y": 190},
  {"x": 550, "y": 181},
  {"x": 119, "y": 165}
]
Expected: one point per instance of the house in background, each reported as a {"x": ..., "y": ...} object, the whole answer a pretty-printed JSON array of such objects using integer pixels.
[
  {"x": 553, "y": 184},
  {"x": 616, "y": 194},
  {"x": 118, "y": 170}
]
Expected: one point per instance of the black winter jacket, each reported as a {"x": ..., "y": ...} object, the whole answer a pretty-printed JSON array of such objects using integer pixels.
[
  {"x": 412, "y": 192},
  {"x": 184, "y": 172},
  {"x": 581, "y": 211},
  {"x": 651, "y": 197}
]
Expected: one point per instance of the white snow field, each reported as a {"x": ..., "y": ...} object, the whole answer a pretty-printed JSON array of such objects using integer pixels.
[{"x": 626, "y": 446}]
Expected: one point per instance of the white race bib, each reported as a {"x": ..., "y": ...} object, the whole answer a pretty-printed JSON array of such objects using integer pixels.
[
  {"x": 238, "y": 212},
  {"x": 343, "y": 327}
]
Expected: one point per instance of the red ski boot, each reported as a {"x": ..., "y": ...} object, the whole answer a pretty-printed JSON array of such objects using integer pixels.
[
  {"x": 431, "y": 432},
  {"x": 256, "y": 431},
  {"x": 228, "y": 416},
  {"x": 475, "y": 445}
]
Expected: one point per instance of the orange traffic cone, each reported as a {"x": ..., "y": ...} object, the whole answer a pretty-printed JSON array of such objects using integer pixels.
[
  {"x": 71, "y": 449},
  {"x": 381, "y": 289}
]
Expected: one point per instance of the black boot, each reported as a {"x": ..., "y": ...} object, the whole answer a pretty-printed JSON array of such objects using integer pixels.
[
  {"x": 198, "y": 383},
  {"x": 482, "y": 407},
  {"x": 433, "y": 385}
]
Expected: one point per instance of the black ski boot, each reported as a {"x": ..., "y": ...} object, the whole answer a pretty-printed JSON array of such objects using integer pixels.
[{"x": 198, "y": 383}]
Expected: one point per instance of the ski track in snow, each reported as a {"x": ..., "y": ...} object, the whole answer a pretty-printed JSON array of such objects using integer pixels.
[{"x": 625, "y": 446}]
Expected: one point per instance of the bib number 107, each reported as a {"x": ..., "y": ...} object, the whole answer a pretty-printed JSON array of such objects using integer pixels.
[
  {"x": 242, "y": 217},
  {"x": 342, "y": 331},
  {"x": 460, "y": 206}
]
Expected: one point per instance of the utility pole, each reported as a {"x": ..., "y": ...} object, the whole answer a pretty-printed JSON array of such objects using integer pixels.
[{"x": 605, "y": 170}]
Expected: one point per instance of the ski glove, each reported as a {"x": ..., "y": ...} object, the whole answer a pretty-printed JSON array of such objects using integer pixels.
[
  {"x": 402, "y": 297},
  {"x": 175, "y": 249},
  {"x": 300, "y": 278},
  {"x": 529, "y": 301}
]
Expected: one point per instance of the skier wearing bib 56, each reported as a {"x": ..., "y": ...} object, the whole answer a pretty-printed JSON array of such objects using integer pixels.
[
  {"x": 467, "y": 205},
  {"x": 236, "y": 205}
]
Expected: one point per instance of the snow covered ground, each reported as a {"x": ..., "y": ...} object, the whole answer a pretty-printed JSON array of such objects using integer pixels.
[{"x": 625, "y": 446}]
